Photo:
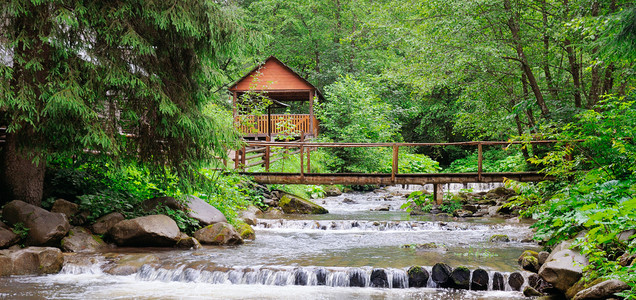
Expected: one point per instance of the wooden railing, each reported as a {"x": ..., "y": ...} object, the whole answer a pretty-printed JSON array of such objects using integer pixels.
[{"x": 295, "y": 125}]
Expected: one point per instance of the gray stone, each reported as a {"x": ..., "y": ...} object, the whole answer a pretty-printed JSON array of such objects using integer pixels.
[
  {"x": 499, "y": 238},
  {"x": 291, "y": 204},
  {"x": 603, "y": 290},
  {"x": 65, "y": 207},
  {"x": 7, "y": 238},
  {"x": 626, "y": 235},
  {"x": 332, "y": 190},
  {"x": 153, "y": 203},
  {"x": 81, "y": 240},
  {"x": 218, "y": 234},
  {"x": 249, "y": 215},
  {"x": 542, "y": 257},
  {"x": 45, "y": 228},
  {"x": 493, "y": 211},
  {"x": 128, "y": 264},
  {"x": 31, "y": 261},
  {"x": 461, "y": 213},
  {"x": 148, "y": 231},
  {"x": 203, "y": 212},
  {"x": 105, "y": 223},
  {"x": 563, "y": 267}
]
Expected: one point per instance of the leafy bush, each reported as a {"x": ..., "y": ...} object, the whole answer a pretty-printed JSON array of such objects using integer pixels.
[
  {"x": 420, "y": 199},
  {"x": 409, "y": 163},
  {"x": 493, "y": 161}
]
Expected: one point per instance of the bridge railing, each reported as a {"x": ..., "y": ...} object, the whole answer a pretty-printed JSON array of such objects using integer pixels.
[{"x": 259, "y": 153}]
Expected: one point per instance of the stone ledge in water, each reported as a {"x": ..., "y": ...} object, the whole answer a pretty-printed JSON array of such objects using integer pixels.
[
  {"x": 291, "y": 204},
  {"x": 31, "y": 261}
]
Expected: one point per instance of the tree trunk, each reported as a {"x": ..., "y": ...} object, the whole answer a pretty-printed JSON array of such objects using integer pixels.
[
  {"x": 21, "y": 179},
  {"x": 513, "y": 25},
  {"x": 546, "y": 53}
]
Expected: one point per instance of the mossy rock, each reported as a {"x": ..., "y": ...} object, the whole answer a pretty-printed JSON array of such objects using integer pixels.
[
  {"x": 529, "y": 260},
  {"x": 291, "y": 204},
  {"x": 247, "y": 232},
  {"x": 499, "y": 238}
]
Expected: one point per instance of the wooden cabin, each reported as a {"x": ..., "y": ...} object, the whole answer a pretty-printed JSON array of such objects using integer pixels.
[{"x": 273, "y": 100}]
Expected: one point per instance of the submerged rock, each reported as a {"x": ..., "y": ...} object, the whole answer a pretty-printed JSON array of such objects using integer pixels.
[
  {"x": 498, "y": 282},
  {"x": 218, "y": 234},
  {"x": 291, "y": 204},
  {"x": 499, "y": 238},
  {"x": 128, "y": 264},
  {"x": 479, "y": 280},
  {"x": 31, "y": 261},
  {"x": 441, "y": 274},
  {"x": 515, "y": 280},
  {"x": 460, "y": 278},
  {"x": 45, "y": 228},
  {"x": 418, "y": 276},
  {"x": 379, "y": 278},
  {"x": 148, "y": 231}
]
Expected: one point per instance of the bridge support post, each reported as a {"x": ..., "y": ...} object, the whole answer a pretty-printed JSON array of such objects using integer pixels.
[
  {"x": 394, "y": 169},
  {"x": 438, "y": 193}
]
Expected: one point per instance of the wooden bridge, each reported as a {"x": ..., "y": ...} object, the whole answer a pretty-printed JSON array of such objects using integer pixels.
[{"x": 259, "y": 153}]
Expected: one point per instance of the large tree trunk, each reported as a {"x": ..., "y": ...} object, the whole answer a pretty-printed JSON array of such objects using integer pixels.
[{"x": 20, "y": 178}]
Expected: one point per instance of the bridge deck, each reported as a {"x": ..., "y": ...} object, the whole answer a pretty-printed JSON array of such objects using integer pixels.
[{"x": 385, "y": 179}]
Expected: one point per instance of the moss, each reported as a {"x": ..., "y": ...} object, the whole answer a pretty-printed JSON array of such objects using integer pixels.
[
  {"x": 462, "y": 268},
  {"x": 414, "y": 270},
  {"x": 499, "y": 238},
  {"x": 247, "y": 232}
]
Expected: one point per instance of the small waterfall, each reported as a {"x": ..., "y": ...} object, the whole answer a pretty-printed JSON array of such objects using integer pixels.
[
  {"x": 302, "y": 276},
  {"x": 357, "y": 225}
]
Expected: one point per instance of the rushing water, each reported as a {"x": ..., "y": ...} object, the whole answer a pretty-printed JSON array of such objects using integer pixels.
[{"x": 332, "y": 256}]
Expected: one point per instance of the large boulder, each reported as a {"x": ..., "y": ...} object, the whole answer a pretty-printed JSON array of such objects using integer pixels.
[
  {"x": 218, "y": 234},
  {"x": 603, "y": 290},
  {"x": 7, "y": 238},
  {"x": 81, "y": 240},
  {"x": 148, "y": 231},
  {"x": 31, "y": 261},
  {"x": 291, "y": 204},
  {"x": 105, "y": 223},
  {"x": 563, "y": 267},
  {"x": 69, "y": 209},
  {"x": 203, "y": 212},
  {"x": 418, "y": 276},
  {"x": 45, "y": 228}
]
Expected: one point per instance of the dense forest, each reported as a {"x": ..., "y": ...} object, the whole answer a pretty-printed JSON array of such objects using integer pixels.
[{"x": 78, "y": 74}]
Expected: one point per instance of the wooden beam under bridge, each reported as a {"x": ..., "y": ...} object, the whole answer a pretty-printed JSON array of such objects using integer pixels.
[{"x": 388, "y": 179}]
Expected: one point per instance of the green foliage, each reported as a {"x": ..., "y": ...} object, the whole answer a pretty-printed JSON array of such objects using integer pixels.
[
  {"x": 420, "y": 199},
  {"x": 20, "y": 230},
  {"x": 450, "y": 205},
  {"x": 354, "y": 113},
  {"x": 494, "y": 160},
  {"x": 409, "y": 163},
  {"x": 186, "y": 224}
]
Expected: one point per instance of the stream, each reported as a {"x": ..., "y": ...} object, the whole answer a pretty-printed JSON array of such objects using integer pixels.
[{"x": 330, "y": 256}]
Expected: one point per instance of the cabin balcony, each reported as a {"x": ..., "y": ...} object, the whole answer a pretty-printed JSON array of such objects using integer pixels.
[{"x": 252, "y": 126}]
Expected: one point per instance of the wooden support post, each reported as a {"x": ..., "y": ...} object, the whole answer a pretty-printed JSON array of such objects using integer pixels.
[
  {"x": 236, "y": 159},
  {"x": 438, "y": 193},
  {"x": 309, "y": 160},
  {"x": 394, "y": 170},
  {"x": 243, "y": 155},
  {"x": 311, "y": 113},
  {"x": 267, "y": 154},
  {"x": 302, "y": 173},
  {"x": 479, "y": 161}
]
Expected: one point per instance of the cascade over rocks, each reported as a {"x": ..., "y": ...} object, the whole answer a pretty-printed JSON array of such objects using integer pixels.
[
  {"x": 218, "y": 234},
  {"x": 321, "y": 276},
  {"x": 45, "y": 228},
  {"x": 357, "y": 278},
  {"x": 105, "y": 223},
  {"x": 418, "y": 276},
  {"x": 203, "y": 212},
  {"x": 441, "y": 274},
  {"x": 291, "y": 204},
  {"x": 480, "y": 280},
  {"x": 81, "y": 240},
  {"x": 563, "y": 267},
  {"x": 148, "y": 231},
  {"x": 31, "y": 261}
]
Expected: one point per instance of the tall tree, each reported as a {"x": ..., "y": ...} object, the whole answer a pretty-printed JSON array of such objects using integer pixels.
[{"x": 122, "y": 77}]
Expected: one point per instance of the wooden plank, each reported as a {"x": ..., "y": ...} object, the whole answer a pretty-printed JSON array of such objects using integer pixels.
[
  {"x": 255, "y": 150},
  {"x": 255, "y": 156}
]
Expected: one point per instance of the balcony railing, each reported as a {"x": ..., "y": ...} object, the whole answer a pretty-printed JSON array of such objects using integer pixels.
[{"x": 294, "y": 125}]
